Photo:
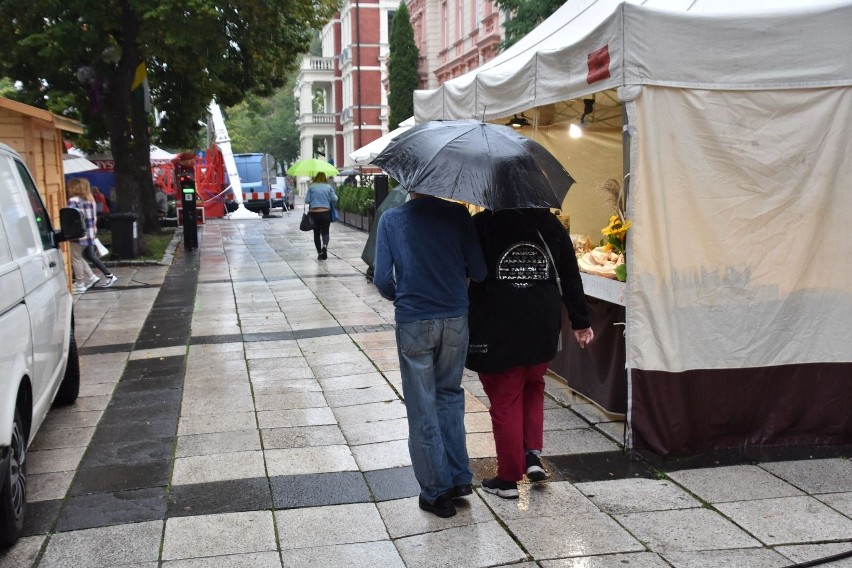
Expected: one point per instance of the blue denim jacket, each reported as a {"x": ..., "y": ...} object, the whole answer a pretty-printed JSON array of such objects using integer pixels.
[{"x": 320, "y": 195}]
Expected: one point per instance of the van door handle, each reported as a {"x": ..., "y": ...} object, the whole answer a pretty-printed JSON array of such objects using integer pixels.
[{"x": 52, "y": 264}]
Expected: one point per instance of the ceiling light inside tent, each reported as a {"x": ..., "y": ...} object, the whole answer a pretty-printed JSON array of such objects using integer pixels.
[
  {"x": 574, "y": 131},
  {"x": 518, "y": 121}
]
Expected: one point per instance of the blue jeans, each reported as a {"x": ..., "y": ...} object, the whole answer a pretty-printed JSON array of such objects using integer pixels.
[{"x": 431, "y": 357}]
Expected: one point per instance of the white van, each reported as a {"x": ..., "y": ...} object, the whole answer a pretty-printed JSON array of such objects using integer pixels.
[{"x": 38, "y": 354}]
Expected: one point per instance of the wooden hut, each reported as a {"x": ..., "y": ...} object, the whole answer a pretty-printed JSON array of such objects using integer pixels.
[{"x": 37, "y": 135}]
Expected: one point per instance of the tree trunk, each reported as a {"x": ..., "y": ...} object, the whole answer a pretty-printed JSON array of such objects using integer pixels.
[{"x": 129, "y": 135}]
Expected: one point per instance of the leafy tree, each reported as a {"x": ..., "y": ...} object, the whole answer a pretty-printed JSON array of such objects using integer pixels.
[
  {"x": 79, "y": 58},
  {"x": 7, "y": 89},
  {"x": 403, "y": 77},
  {"x": 266, "y": 125},
  {"x": 524, "y": 16}
]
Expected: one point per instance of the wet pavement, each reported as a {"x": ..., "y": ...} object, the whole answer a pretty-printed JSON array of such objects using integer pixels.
[{"x": 241, "y": 406}]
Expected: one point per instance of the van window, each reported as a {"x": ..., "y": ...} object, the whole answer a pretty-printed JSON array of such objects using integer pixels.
[{"x": 37, "y": 207}]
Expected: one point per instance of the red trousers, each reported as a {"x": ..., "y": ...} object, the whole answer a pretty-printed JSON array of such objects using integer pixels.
[{"x": 517, "y": 416}]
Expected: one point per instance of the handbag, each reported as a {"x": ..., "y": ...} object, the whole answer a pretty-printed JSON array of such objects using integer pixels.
[
  {"x": 307, "y": 224},
  {"x": 332, "y": 212},
  {"x": 102, "y": 250}
]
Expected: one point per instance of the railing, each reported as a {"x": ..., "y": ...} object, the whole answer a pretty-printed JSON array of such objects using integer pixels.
[
  {"x": 318, "y": 63},
  {"x": 315, "y": 118}
]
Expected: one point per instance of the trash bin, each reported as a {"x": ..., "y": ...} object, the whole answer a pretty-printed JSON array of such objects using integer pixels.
[{"x": 125, "y": 235}]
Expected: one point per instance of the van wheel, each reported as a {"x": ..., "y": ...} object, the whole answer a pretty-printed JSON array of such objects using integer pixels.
[
  {"x": 13, "y": 490},
  {"x": 70, "y": 387},
  {"x": 265, "y": 212}
]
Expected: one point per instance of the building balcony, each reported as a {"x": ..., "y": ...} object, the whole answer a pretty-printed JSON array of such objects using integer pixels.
[
  {"x": 316, "y": 70},
  {"x": 316, "y": 118}
]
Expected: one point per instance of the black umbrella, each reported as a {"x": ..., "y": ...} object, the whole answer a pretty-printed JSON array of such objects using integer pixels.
[{"x": 483, "y": 164}]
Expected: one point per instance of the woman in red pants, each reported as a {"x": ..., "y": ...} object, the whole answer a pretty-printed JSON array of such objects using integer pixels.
[{"x": 515, "y": 321}]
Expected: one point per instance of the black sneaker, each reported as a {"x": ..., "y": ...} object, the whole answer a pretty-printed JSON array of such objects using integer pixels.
[
  {"x": 442, "y": 507},
  {"x": 535, "y": 471},
  {"x": 324, "y": 254},
  {"x": 500, "y": 488},
  {"x": 462, "y": 490}
]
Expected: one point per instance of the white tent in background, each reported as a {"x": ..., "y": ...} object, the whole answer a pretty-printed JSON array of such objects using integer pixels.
[
  {"x": 365, "y": 154},
  {"x": 72, "y": 164},
  {"x": 735, "y": 122}
]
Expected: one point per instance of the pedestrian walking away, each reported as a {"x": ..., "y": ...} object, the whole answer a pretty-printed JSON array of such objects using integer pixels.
[
  {"x": 515, "y": 323},
  {"x": 83, "y": 250},
  {"x": 320, "y": 200},
  {"x": 426, "y": 249}
]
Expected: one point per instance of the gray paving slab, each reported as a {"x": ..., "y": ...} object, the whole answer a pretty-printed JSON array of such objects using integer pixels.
[
  {"x": 126, "y": 544},
  {"x": 451, "y": 547},
  {"x": 218, "y": 535}
]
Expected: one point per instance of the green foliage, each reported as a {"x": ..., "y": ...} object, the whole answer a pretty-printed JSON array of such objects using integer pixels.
[
  {"x": 78, "y": 58},
  {"x": 403, "y": 77},
  {"x": 358, "y": 200},
  {"x": 266, "y": 125},
  {"x": 7, "y": 88},
  {"x": 525, "y": 15}
]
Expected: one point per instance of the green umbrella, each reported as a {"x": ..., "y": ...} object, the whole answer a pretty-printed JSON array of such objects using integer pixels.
[{"x": 311, "y": 167}]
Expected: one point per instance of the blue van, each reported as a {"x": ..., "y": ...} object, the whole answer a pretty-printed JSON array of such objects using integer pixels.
[{"x": 257, "y": 178}]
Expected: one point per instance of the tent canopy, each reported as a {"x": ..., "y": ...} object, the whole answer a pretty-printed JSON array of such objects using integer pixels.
[
  {"x": 736, "y": 115},
  {"x": 365, "y": 154},
  {"x": 590, "y": 46}
]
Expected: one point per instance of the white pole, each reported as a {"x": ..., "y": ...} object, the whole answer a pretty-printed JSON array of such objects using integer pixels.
[{"x": 224, "y": 144}]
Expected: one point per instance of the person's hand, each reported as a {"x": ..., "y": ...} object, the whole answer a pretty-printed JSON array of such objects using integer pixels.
[{"x": 584, "y": 336}]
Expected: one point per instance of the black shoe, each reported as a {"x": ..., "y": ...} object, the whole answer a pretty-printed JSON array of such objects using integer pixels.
[
  {"x": 535, "y": 471},
  {"x": 324, "y": 254},
  {"x": 462, "y": 490},
  {"x": 442, "y": 507},
  {"x": 500, "y": 488}
]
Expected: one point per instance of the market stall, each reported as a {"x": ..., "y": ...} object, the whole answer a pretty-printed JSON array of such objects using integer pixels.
[{"x": 736, "y": 160}]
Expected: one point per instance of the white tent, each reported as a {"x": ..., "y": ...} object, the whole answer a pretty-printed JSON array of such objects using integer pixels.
[
  {"x": 365, "y": 154},
  {"x": 736, "y": 118},
  {"x": 73, "y": 164}
]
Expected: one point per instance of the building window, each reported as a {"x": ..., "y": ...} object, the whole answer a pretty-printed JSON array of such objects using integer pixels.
[
  {"x": 459, "y": 19},
  {"x": 445, "y": 25}
]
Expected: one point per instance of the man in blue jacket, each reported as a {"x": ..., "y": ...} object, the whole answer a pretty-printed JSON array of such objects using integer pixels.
[{"x": 426, "y": 249}]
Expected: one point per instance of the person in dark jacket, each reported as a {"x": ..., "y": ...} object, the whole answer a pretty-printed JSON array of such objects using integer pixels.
[
  {"x": 515, "y": 323},
  {"x": 426, "y": 250}
]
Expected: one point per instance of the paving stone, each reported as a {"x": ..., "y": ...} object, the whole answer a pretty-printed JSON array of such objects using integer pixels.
[
  {"x": 129, "y": 544},
  {"x": 637, "y": 495},
  {"x": 362, "y": 395},
  {"x": 359, "y": 555},
  {"x": 750, "y": 557},
  {"x": 220, "y": 497},
  {"x": 403, "y": 517},
  {"x": 47, "y": 486},
  {"x": 41, "y": 516},
  {"x": 121, "y": 477},
  {"x": 577, "y": 441},
  {"x": 302, "y": 437},
  {"x": 382, "y": 455},
  {"x": 733, "y": 483},
  {"x": 451, "y": 547},
  {"x": 106, "y": 509},
  {"x": 135, "y": 431},
  {"x": 803, "y": 553},
  {"x": 789, "y": 520},
  {"x": 217, "y": 442},
  {"x": 146, "y": 398},
  {"x": 295, "y": 491},
  {"x": 295, "y": 417},
  {"x": 318, "y": 459},
  {"x": 219, "y": 534},
  {"x": 211, "y": 423},
  {"x": 838, "y": 501},
  {"x": 815, "y": 476},
  {"x": 686, "y": 530},
  {"x": 394, "y": 483},
  {"x": 128, "y": 452},
  {"x": 62, "y": 438},
  {"x": 374, "y": 412},
  {"x": 218, "y": 467},
  {"x": 57, "y": 418},
  {"x": 600, "y": 466},
  {"x": 631, "y": 560},
  {"x": 49, "y": 461},
  {"x": 136, "y": 414},
  {"x": 23, "y": 553},
  {"x": 330, "y": 525},
  {"x": 250, "y": 560}
]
